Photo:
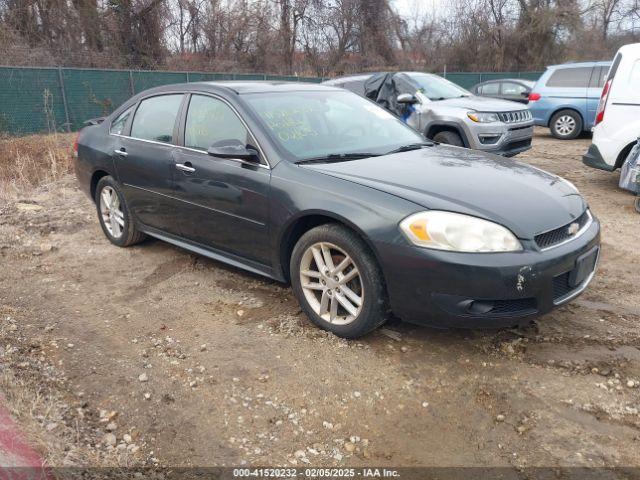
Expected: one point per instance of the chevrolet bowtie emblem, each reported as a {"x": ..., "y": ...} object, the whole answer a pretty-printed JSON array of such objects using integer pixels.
[{"x": 573, "y": 228}]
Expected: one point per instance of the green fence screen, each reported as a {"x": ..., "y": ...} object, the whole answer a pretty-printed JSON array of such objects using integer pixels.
[{"x": 34, "y": 100}]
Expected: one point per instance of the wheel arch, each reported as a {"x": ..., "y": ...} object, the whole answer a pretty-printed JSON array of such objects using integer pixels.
[
  {"x": 622, "y": 156},
  {"x": 305, "y": 221},
  {"x": 95, "y": 178},
  {"x": 434, "y": 129},
  {"x": 559, "y": 109}
]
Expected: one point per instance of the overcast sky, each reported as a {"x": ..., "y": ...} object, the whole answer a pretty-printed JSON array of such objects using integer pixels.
[{"x": 408, "y": 8}]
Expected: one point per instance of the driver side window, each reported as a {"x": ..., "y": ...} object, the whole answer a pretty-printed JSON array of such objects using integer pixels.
[{"x": 212, "y": 122}]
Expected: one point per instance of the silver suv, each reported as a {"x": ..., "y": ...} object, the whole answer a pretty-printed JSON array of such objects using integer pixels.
[{"x": 445, "y": 112}]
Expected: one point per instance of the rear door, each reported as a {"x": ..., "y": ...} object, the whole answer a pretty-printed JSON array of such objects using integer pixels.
[
  {"x": 598, "y": 77},
  {"x": 224, "y": 203},
  {"x": 144, "y": 162}
]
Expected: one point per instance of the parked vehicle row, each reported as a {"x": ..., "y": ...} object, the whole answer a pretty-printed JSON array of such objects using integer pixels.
[
  {"x": 318, "y": 187},
  {"x": 445, "y": 112}
]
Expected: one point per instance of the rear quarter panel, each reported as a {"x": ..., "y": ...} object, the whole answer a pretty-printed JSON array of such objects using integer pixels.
[{"x": 93, "y": 155}]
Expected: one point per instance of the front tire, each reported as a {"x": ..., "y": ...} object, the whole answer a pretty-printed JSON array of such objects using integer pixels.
[
  {"x": 566, "y": 124},
  {"x": 338, "y": 282},
  {"x": 115, "y": 218},
  {"x": 449, "y": 138}
]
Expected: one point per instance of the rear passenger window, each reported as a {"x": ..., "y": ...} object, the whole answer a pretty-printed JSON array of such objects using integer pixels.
[
  {"x": 570, "y": 77},
  {"x": 156, "y": 117},
  {"x": 117, "y": 126},
  {"x": 599, "y": 77}
]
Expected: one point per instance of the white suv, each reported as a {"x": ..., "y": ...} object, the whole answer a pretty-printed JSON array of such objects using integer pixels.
[{"x": 617, "y": 124}]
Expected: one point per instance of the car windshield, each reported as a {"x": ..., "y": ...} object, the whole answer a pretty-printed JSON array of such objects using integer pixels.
[
  {"x": 437, "y": 88},
  {"x": 316, "y": 124}
]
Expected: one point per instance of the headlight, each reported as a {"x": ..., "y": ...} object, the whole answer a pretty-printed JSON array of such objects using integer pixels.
[
  {"x": 457, "y": 232},
  {"x": 483, "y": 117}
]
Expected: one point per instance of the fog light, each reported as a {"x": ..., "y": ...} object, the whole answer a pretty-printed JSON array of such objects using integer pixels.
[
  {"x": 489, "y": 139},
  {"x": 479, "y": 307}
]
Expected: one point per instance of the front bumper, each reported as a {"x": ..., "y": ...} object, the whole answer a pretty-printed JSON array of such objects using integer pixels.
[
  {"x": 500, "y": 138},
  {"x": 467, "y": 290}
]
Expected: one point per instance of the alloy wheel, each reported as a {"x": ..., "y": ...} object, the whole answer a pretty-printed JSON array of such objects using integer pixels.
[
  {"x": 565, "y": 125},
  {"x": 331, "y": 283},
  {"x": 111, "y": 211}
]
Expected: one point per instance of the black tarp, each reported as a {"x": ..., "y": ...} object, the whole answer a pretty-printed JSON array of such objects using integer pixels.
[{"x": 381, "y": 88}]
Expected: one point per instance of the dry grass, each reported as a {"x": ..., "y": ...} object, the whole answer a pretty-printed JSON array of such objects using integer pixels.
[{"x": 27, "y": 162}]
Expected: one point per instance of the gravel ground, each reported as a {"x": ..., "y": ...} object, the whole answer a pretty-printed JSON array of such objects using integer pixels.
[{"x": 154, "y": 356}]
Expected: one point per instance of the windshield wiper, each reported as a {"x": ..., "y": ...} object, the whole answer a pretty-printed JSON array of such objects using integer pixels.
[
  {"x": 411, "y": 146},
  {"x": 338, "y": 157}
]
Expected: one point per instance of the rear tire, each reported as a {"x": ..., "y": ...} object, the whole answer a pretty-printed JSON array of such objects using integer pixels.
[
  {"x": 566, "y": 124},
  {"x": 115, "y": 218},
  {"x": 449, "y": 138},
  {"x": 637, "y": 204},
  {"x": 350, "y": 301}
]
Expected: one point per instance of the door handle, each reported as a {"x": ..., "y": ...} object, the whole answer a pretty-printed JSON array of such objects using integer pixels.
[
  {"x": 122, "y": 153},
  {"x": 185, "y": 167}
]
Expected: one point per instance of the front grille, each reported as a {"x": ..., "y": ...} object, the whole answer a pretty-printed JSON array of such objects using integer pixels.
[
  {"x": 510, "y": 307},
  {"x": 515, "y": 117},
  {"x": 561, "y": 287},
  {"x": 559, "y": 235}
]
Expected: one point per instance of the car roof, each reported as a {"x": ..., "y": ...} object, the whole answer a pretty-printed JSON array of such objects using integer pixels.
[
  {"x": 242, "y": 87},
  {"x": 507, "y": 80},
  {"x": 348, "y": 78},
  {"x": 605, "y": 63}
]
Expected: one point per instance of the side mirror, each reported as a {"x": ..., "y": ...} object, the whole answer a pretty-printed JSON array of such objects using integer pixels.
[
  {"x": 406, "y": 98},
  {"x": 239, "y": 152}
]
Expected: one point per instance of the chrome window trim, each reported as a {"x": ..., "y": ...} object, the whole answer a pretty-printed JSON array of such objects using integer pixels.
[
  {"x": 261, "y": 165},
  {"x": 570, "y": 239},
  {"x": 208, "y": 94},
  {"x": 239, "y": 160}
]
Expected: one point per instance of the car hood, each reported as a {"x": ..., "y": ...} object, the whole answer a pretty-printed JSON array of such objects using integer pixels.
[
  {"x": 524, "y": 199},
  {"x": 482, "y": 104}
]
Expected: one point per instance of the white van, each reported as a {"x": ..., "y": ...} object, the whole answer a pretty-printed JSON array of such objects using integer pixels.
[{"x": 617, "y": 124}]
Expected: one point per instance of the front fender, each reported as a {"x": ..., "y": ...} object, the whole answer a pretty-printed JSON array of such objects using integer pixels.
[{"x": 299, "y": 192}]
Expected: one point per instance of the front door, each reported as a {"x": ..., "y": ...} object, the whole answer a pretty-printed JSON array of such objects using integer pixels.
[
  {"x": 516, "y": 92},
  {"x": 144, "y": 161},
  {"x": 224, "y": 203}
]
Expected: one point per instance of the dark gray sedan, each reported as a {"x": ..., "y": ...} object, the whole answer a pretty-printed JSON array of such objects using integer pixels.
[
  {"x": 318, "y": 187},
  {"x": 514, "y": 89}
]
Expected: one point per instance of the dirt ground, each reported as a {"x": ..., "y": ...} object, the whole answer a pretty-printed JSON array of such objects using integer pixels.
[{"x": 155, "y": 356}]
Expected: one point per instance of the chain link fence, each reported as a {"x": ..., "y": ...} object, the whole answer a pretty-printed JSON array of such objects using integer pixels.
[{"x": 36, "y": 100}]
